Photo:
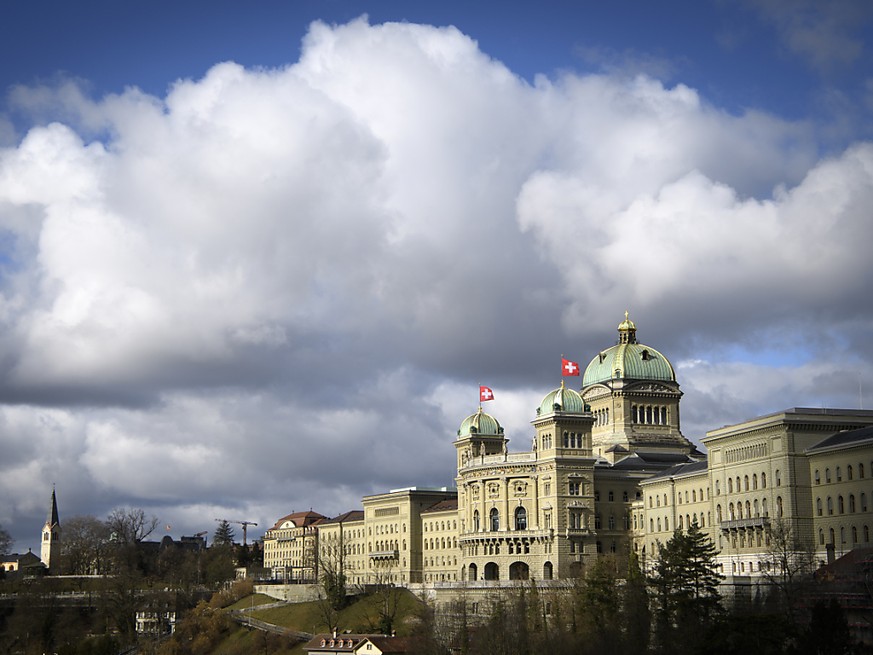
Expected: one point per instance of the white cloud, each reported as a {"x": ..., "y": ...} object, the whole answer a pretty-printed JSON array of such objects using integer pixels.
[{"x": 269, "y": 289}]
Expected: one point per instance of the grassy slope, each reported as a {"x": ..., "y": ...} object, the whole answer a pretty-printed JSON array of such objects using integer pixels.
[{"x": 361, "y": 616}]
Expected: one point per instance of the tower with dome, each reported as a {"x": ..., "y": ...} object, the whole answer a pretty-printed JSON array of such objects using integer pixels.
[{"x": 634, "y": 398}]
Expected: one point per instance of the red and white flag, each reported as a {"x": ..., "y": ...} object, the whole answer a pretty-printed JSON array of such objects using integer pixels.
[
  {"x": 485, "y": 393},
  {"x": 569, "y": 368}
]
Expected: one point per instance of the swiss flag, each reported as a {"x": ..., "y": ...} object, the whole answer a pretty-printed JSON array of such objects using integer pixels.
[
  {"x": 485, "y": 393},
  {"x": 569, "y": 368}
]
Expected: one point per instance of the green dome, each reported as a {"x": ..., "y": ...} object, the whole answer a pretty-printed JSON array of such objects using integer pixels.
[
  {"x": 480, "y": 423},
  {"x": 561, "y": 400},
  {"x": 628, "y": 359}
]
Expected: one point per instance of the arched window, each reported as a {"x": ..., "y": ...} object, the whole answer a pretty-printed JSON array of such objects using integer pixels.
[
  {"x": 520, "y": 518},
  {"x": 832, "y": 536},
  {"x": 854, "y": 535},
  {"x": 547, "y": 571},
  {"x": 849, "y": 472},
  {"x": 830, "y": 506},
  {"x": 860, "y": 470},
  {"x": 827, "y": 475},
  {"x": 779, "y": 507},
  {"x": 851, "y": 503},
  {"x": 821, "y": 537},
  {"x": 755, "y": 481},
  {"x": 839, "y": 474},
  {"x": 473, "y": 569},
  {"x": 745, "y": 483},
  {"x": 718, "y": 512},
  {"x": 763, "y": 480},
  {"x": 730, "y": 485},
  {"x": 840, "y": 505},
  {"x": 494, "y": 517},
  {"x": 764, "y": 507},
  {"x": 778, "y": 478},
  {"x": 476, "y": 520},
  {"x": 818, "y": 506}
]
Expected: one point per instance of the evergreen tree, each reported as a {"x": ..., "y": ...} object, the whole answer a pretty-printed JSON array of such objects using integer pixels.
[
  {"x": 636, "y": 620},
  {"x": 223, "y": 535},
  {"x": 686, "y": 591}
]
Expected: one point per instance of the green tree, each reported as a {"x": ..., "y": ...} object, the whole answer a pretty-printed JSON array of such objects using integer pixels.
[
  {"x": 687, "y": 599},
  {"x": 223, "y": 534},
  {"x": 636, "y": 614},
  {"x": 600, "y": 603}
]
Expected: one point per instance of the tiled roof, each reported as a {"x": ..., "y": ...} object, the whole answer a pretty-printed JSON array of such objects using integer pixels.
[
  {"x": 352, "y": 515},
  {"x": 442, "y": 506},
  {"x": 845, "y": 438},
  {"x": 301, "y": 519},
  {"x": 679, "y": 469}
]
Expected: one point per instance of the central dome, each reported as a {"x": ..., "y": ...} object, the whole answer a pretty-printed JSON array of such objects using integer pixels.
[{"x": 628, "y": 359}]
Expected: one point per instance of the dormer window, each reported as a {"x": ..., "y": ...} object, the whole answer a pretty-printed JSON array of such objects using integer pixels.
[{"x": 646, "y": 356}]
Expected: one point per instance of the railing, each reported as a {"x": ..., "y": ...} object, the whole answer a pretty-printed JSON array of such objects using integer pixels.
[
  {"x": 507, "y": 534},
  {"x": 384, "y": 554},
  {"x": 741, "y": 524}
]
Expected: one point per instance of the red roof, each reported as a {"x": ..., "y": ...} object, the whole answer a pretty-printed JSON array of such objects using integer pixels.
[{"x": 301, "y": 519}]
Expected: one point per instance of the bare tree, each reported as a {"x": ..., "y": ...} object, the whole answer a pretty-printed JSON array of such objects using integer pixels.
[
  {"x": 788, "y": 563},
  {"x": 129, "y": 525},
  {"x": 85, "y": 546}
]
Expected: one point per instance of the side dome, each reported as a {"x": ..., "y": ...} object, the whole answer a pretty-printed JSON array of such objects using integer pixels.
[
  {"x": 480, "y": 423},
  {"x": 628, "y": 359},
  {"x": 561, "y": 400}
]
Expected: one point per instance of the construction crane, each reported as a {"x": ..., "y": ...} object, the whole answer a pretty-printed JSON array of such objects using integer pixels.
[{"x": 244, "y": 524}]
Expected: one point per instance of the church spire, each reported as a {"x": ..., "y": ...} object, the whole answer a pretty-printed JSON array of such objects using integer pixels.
[{"x": 53, "y": 518}]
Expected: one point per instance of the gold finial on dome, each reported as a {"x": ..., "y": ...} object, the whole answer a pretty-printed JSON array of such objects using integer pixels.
[{"x": 627, "y": 331}]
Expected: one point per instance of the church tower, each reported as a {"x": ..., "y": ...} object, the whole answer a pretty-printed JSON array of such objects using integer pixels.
[{"x": 51, "y": 536}]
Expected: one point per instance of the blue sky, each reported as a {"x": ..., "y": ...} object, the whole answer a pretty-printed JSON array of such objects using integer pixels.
[{"x": 268, "y": 233}]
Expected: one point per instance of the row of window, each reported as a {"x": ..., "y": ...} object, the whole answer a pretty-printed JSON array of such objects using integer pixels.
[
  {"x": 611, "y": 522},
  {"x": 841, "y": 505},
  {"x": 439, "y": 525},
  {"x": 387, "y": 529},
  {"x": 432, "y": 544},
  {"x": 853, "y": 532},
  {"x": 649, "y": 415},
  {"x": 610, "y": 496},
  {"x": 520, "y": 516},
  {"x": 747, "y": 483},
  {"x": 751, "y": 509},
  {"x": 601, "y": 416},
  {"x": 850, "y": 473}
]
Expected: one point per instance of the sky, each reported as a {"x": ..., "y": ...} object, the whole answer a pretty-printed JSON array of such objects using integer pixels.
[{"x": 256, "y": 258}]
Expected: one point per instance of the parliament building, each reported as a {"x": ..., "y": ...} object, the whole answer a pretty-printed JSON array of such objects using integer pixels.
[{"x": 608, "y": 472}]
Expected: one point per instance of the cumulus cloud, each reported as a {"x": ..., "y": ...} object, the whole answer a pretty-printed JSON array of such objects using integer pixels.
[{"x": 277, "y": 289}]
